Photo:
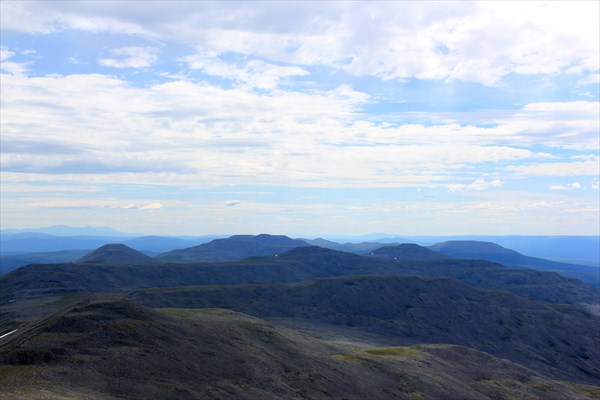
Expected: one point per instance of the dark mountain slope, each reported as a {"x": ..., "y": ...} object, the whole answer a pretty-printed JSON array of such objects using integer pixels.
[
  {"x": 13, "y": 261},
  {"x": 408, "y": 251},
  {"x": 470, "y": 249},
  {"x": 356, "y": 248},
  {"x": 300, "y": 264},
  {"x": 110, "y": 348},
  {"x": 232, "y": 249},
  {"x": 116, "y": 254},
  {"x": 563, "y": 342},
  {"x": 159, "y": 244}
]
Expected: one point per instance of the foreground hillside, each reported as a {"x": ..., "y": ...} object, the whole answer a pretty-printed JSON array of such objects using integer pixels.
[
  {"x": 409, "y": 310},
  {"x": 108, "y": 348}
]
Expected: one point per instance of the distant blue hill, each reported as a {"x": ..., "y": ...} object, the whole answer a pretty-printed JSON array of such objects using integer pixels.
[
  {"x": 63, "y": 230},
  {"x": 34, "y": 242},
  {"x": 471, "y": 249},
  {"x": 13, "y": 261},
  {"x": 583, "y": 250}
]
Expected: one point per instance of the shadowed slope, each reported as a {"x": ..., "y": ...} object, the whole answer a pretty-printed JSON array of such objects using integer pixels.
[
  {"x": 110, "y": 348},
  {"x": 562, "y": 341}
]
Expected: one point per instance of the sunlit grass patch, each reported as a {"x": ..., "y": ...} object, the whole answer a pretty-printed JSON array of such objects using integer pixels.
[
  {"x": 395, "y": 351},
  {"x": 589, "y": 390}
]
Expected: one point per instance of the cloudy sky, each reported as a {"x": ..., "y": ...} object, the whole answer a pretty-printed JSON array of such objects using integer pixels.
[{"x": 301, "y": 118}]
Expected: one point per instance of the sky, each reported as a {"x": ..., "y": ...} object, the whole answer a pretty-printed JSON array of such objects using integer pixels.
[{"x": 301, "y": 118}]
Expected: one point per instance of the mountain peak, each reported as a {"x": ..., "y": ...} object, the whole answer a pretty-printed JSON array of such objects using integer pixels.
[
  {"x": 472, "y": 247},
  {"x": 115, "y": 253},
  {"x": 234, "y": 248},
  {"x": 310, "y": 250},
  {"x": 408, "y": 251}
]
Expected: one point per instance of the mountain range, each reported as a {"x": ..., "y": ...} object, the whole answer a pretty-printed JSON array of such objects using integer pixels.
[
  {"x": 233, "y": 248},
  {"x": 298, "y": 264},
  {"x": 273, "y": 317},
  {"x": 493, "y": 252}
]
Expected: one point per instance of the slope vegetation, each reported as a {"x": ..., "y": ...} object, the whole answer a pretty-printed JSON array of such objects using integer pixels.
[
  {"x": 408, "y": 251},
  {"x": 299, "y": 264},
  {"x": 107, "y": 348},
  {"x": 419, "y": 310}
]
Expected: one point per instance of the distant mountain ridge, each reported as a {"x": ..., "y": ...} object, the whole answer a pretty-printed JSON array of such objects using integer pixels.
[
  {"x": 408, "y": 251},
  {"x": 14, "y": 261},
  {"x": 28, "y": 243},
  {"x": 471, "y": 249},
  {"x": 357, "y": 248},
  {"x": 64, "y": 230},
  {"x": 298, "y": 264},
  {"x": 234, "y": 248}
]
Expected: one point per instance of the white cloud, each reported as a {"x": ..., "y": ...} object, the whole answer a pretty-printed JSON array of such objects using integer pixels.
[
  {"x": 75, "y": 201},
  {"x": 152, "y": 206},
  {"x": 14, "y": 68},
  {"x": 576, "y": 168},
  {"x": 100, "y": 132},
  {"x": 134, "y": 206},
  {"x": 571, "y": 125},
  {"x": 19, "y": 188},
  {"x": 131, "y": 57},
  {"x": 5, "y": 53},
  {"x": 11, "y": 67},
  {"x": 571, "y": 186},
  {"x": 478, "y": 185},
  {"x": 469, "y": 41},
  {"x": 195, "y": 134},
  {"x": 254, "y": 73}
]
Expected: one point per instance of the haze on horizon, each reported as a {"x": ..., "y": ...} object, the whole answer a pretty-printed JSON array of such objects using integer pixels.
[{"x": 302, "y": 118}]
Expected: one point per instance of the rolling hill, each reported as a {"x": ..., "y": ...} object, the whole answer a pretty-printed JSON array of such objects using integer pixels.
[
  {"x": 470, "y": 249},
  {"x": 299, "y": 264},
  {"x": 357, "y": 248},
  {"x": 411, "y": 310},
  {"x": 110, "y": 348},
  {"x": 233, "y": 248},
  {"x": 408, "y": 251}
]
